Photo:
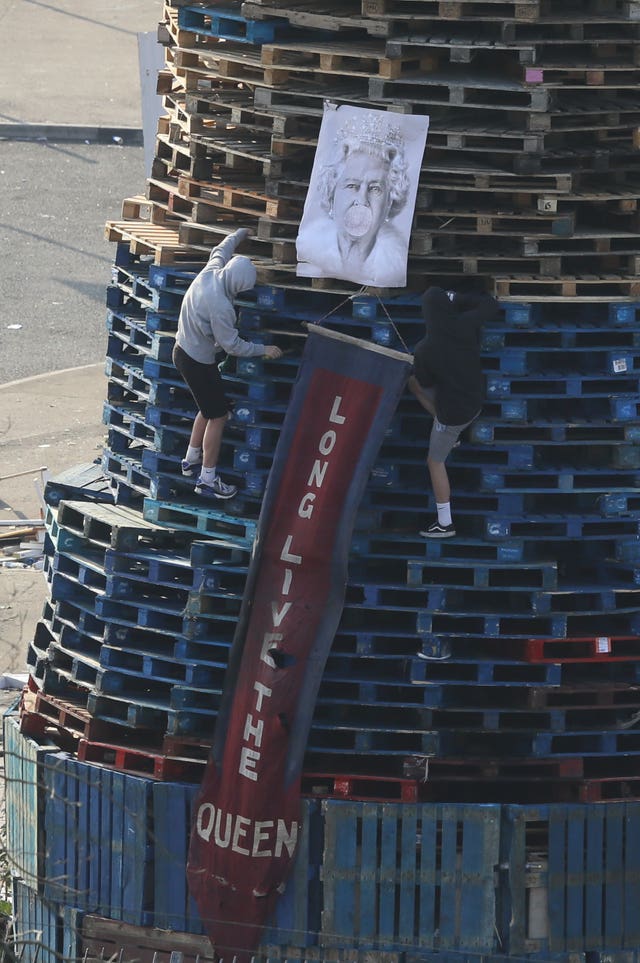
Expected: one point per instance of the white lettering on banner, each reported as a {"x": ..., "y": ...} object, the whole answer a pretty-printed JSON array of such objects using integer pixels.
[
  {"x": 254, "y": 727},
  {"x": 262, "y": 837}
]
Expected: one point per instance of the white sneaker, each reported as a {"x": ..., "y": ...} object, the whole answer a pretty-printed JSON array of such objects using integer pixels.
[{"x": 216, "y": 490}]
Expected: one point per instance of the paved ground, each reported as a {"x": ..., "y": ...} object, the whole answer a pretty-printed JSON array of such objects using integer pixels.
[
  {"x": 65, "y": 62},
  {"x": 74, "y": 65}
]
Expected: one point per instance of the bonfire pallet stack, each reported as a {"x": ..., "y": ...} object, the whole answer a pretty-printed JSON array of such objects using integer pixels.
[{"x": 498, "y": 668}]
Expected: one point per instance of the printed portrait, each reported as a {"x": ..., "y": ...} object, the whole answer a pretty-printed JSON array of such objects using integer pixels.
[{"x": 358, "y": 212}]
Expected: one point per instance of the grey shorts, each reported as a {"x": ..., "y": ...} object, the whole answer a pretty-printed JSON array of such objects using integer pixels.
[{"x": 443, "y": 438}]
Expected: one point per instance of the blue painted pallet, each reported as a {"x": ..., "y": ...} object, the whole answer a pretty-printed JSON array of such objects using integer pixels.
[
  {"x": 86, "y": 805},
  {"x": 127, "y": 422},
  {"x": 171, "y": 276},
  {"x": 584, "y": 362},
  {"x": 219, "y": 578},
  {"x": 380, "y": 331},
  {"x": 36, "y": 926},
  {"x": 121, "y": 587},
  {"x": 587, "y": 876},
  {"x": 596, "y": 407},
  {"x": 560, "y": 479},
  {"x": 495, "y": 672},
  {"x": 126, "y": 381},
  {"x": 212, "y": 605},
  {"x": 126, "y": 473},
  {"x": 226, "y": 23},
  {"x": 126, "y": 668},
  {"x": 139, "y": 640},
  {"x": 201, "y": 520},
  {"x": 575, "y": 333},
  {"x": 555, "y": 433},
  {"x": 527, "y": 696},
  {"x": 386, "y": 546},
  {"x": 86, "y": 569},
  {"x": 23, "y": 798},
  {"x": 126, "y": 337},
  {"x": 159, "y": 416},
  {"x": 251, "y": 412},
  {"x": 152, "y": 614},
  {"x": 134, "y": 290},
  {"x": 397, "y": 876},
  {"x": 480, "y": 574},
  {"x": 63, "y": 587},
  {"x": 218, "y": 551},
  {"x": 158, "y": 568},
  {"x": 530, "y": 313},
  {"x": 216, "y": 628},
  {"x": 553, "y": 527},
  {"x": 115, "y": 526},
  {"x": 167, "y": 483},
  {"x": 547, "y": 385},
  {"x": 123, "y": 712},
  {"x": 85, "y": 481},
  {"x": 73, "y": 615},
  {"x": 72, "y": 641},
  {"x": 524, "y": 720}
]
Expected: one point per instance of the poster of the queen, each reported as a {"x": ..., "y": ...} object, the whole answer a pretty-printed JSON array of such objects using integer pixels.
[{"x": 357, "y": 217}]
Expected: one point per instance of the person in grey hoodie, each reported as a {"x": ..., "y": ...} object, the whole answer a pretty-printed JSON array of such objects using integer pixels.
[{"x": 207, "y": 327}]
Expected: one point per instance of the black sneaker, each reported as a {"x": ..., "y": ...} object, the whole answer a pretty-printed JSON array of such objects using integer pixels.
[{"x": 439, "y": 531}]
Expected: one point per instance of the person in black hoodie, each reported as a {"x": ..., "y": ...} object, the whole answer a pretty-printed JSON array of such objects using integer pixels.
[{"x": 448, "y": 382}]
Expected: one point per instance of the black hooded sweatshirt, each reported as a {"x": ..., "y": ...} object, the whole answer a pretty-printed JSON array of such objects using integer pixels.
[{"x": 448, "y": 357}]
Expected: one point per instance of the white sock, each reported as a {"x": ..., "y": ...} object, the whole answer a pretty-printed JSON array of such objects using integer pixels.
[
  {"x": 193, "y": 455},
  {"x": 444, "y": 513},
  {"x": 208, "y": 475}
]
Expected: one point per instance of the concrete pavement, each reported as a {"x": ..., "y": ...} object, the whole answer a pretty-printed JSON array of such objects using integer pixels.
[{"x": 68, "y": 70}]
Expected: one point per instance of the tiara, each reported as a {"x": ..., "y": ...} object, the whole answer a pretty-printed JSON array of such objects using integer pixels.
[{"x": 372, "y": 130}]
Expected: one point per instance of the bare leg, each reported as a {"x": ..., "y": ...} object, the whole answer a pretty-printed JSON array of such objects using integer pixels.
[
  {"x": 211, "y": 441},
  {"x": 198, "y": 430},
  {"x": 439, "y": 481}
]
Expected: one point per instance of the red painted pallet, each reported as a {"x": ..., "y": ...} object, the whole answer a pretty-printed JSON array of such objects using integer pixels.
[
  {"x": 598, "y": 648},
  {"x": 140, "y": 761},
  {"x": 359, "y": 787}
]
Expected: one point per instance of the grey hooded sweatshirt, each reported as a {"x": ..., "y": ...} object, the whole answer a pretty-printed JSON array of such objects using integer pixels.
[{"x": 207, "y": 321}]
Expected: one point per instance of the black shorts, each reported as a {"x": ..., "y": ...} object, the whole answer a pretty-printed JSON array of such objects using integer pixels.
[{"x": 204, "y": 382}]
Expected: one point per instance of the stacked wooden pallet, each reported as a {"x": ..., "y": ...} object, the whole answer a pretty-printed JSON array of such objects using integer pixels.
[
  {"x": 500, "y": 667},
  {"x": 530, "y": 179}
]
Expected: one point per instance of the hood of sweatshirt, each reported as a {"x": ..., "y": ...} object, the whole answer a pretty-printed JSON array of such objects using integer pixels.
[
  {"x": 444, "y": 318},
  {"x": 239, "y": 274}
]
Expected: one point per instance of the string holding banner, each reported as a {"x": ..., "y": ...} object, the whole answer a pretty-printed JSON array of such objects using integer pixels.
[{"x": 247, "y": 815}]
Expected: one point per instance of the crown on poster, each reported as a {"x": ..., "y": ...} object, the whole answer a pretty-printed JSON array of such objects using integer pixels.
[{"x": 372, "y": 130}]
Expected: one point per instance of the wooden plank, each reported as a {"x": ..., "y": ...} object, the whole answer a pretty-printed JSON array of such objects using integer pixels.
[
  {"x": 594, "y": 890},
  {"x": 480, "y": 848},
  {"x": 23, "y": 780},
  {"x": 114, "y": 940},
  {"x": 340, "y": 862},
  {"x": 387, "y": 872},
  {"x": 575, "y": 879},
  {"x": 36, "y": 926},
  {"x": 613, "y": 869},
  {"x": 57, "y": 859},
  {"x": 408, "y": 871},
  {"x": 632, "y": 873},
  {"x": 368, "y": 897}
]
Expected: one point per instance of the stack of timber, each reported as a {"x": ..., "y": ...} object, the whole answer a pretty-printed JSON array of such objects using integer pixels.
[
  {"x": 501, "y": 667},
  {"x": 530, "y": 180}
]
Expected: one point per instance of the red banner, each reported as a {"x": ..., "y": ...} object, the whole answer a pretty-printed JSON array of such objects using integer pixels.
[{"x": 247, "y": 818}]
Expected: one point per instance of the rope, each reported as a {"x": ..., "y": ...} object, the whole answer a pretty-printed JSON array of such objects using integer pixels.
[{"x": 357, "y": 294}]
